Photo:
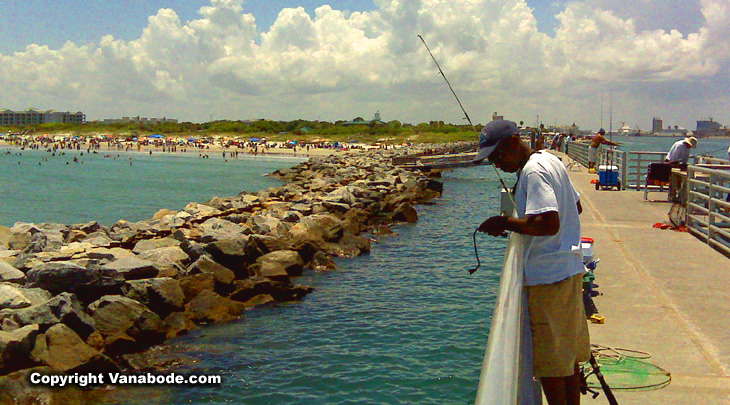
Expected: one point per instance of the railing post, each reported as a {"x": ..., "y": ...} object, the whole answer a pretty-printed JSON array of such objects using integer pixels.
[
  {"x": 624, "y": 167},
  {"x": 711, "y": 209}
]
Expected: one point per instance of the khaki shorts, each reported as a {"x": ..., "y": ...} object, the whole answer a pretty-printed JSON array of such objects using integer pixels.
[
  {"x": 559, "y": 327},
  {"x": 592, "y": 154}
]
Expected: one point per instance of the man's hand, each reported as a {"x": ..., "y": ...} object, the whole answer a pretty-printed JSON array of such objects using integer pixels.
[{"x": 494, "y": 226}]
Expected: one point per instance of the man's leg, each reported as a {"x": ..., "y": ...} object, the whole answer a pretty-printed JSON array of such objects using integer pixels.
[
  {"x": 572, "y": 387},
  {"x": 555, "y": 389}
]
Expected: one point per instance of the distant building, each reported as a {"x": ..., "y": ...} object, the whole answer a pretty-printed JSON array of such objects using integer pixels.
[
  {"x": 34, "y": 116},
  {"x": 139, "y": 120},
  {"x": 656, "y": 125},
  {"x": 376, "y": 120},
  {"x": 496, "y": 117},
  {"x": 708, "y": 128}
]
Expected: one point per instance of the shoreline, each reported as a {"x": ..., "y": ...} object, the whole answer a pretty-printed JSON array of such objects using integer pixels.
[{"x": 179, "y": 270}]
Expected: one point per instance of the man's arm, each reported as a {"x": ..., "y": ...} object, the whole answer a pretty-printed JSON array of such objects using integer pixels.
[{"x": 544, "y": 224}]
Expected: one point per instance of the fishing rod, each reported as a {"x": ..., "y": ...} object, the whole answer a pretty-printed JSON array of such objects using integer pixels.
[
  {"x": 466, "y": 115},
  {"x": 596, "y": 370}
]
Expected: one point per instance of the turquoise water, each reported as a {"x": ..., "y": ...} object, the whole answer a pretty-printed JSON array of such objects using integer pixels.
[
  {"x": 108, "y": 189},
  {"x": 714, "y": 146},
  {"x": 404, "y": 324}
]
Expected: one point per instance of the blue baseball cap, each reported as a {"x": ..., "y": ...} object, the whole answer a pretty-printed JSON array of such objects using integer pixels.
[{"x": 492, "y": 134}]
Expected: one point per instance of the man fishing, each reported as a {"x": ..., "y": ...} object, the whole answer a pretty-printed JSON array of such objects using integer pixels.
[
  {"x": 547, "y": 209},
  {"x": 596, "y": 142}
]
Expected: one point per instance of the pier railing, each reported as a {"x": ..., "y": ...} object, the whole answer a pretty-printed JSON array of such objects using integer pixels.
[
  {"x": 578, "y": 151},
  {"x": 708, "y": 211}
]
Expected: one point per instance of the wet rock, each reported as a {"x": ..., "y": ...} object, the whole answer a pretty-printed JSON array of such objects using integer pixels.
[
  {"x": 349, "y": 246},
  {"x": 405, "y": 213},
  {"x": 162, "y": 295},
  {"x": 15, "y": 348},
  {"x": 88, "y": 284},
  {"x": 258, "y": 300},
  {"x": 290, "y": 260},
  {"x": 64, "y": 308},
  {"x": 133, "y": 268},
  {"x": 63, "y": 350},
  {"x": 9, "y": 273},
  {"x": 178, "y": 324},
  {"x": 126, "y": 324},
  {"x": 149, "y": 244},
  {"x": 245, "y": 290},
  {"x": 271, "y": 270},
  {"x": 209, "y": 307}
]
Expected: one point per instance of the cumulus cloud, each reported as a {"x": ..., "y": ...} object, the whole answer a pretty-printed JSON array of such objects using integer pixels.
[{"x": 336, "y": 65}]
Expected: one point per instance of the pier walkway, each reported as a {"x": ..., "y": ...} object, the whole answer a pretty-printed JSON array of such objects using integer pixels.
[{"x": 664, "y": 292}]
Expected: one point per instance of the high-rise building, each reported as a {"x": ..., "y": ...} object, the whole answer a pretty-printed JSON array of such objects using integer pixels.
[{"x": 656, "y": 125}]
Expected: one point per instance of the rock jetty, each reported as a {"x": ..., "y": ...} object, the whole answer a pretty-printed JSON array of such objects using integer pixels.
[{"x": 85, "y": 297}]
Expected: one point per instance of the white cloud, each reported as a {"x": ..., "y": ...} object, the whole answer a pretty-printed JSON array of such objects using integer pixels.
[{"x": 336, "y": 65}]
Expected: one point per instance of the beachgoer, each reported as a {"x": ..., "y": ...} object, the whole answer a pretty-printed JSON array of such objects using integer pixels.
[
  {"x": 597, "y": 141},
  {"x": 679, "y": 152},
  {"x": 547, "y": 210}
]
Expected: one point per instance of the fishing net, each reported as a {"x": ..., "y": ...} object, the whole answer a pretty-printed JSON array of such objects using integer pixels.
[{"x": 626, "y": 370}]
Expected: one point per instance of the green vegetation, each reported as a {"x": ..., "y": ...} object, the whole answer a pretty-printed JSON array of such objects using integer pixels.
[{"x": 301, "y": 130}]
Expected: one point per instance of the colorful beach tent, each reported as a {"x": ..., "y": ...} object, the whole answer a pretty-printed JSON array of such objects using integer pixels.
[
  {"x": 156, "y": 136},
  {"x": 254, "y": 139}
]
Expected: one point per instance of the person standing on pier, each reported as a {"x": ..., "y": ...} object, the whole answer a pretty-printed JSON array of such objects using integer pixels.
[
  {"x": 678, "y": 155},
  {"x": 597, "y": 141},
  {"x": 547, "y": 209}
]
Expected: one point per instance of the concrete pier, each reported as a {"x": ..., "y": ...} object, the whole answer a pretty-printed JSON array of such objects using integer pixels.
[{"x": 664, "y": 292}]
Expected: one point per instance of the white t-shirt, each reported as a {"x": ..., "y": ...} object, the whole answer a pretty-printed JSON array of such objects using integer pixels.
[
  {"x": 678, "y": 152},
  {"x": 544, "y": 186}
]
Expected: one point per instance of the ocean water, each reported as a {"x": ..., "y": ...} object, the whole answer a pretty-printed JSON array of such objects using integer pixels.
[
  {"x": 716, "y": 147},
  {"x": 405, "y": 324},
  {"x": 107, "y": 189}
]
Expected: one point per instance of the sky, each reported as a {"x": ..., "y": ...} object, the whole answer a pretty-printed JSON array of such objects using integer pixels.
[{"x": 332, "y": 60}]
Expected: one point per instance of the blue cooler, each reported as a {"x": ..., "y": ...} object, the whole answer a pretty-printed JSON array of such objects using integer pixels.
[{"x": 608, "y": 175}]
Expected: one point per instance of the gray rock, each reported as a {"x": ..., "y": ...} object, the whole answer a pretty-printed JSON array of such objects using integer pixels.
[
  {"x": 98, "y": 238},
  {"x": 13, "y": 296},
  {"x": 235, "y": 254},
  {"x": 64, "y": 308},
  {"x": 15, "y": 348},
  {"x": 162, "y": 295},
  {"x": 149, "y": 244},
  {"x": 133, "y": 268},
  {"x": 169, "y": 260},
  {"x": 9, "y": 273},
  {"x": 38, "y": 243},
  {"x": 215, "y": 229},
  {"x": 88, "y": 284}
]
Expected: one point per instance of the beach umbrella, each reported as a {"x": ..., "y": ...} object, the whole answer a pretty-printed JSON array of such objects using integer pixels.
[
  {"x": 156, "y": 136},
  {"x": 254, "y": 139}
]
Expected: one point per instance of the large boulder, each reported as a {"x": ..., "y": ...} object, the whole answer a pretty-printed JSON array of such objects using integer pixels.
[
  {"x": 209, "y": 307},
  {"x": 178, "y": 324},
  {"x": 87, "y": 284},
  {"x": 290, "y": 260},
  {"x": 162, "y": 295},
  {"x": 245, "y": 290},
  {"x": 13, "y": 296},
  {"x": 169, "y": 260},
  {"x": 194, "y": 284},
  {"x": 133, "y": 268},
  {"x": 235, "y": 254},
  {"x": 126, "y": 324},
  {"x": 149, "y": 244},
  {"x": 9, "y": 273},
  {"x": 15, "y": 348},
  {"x": 205, "y": 264},
  {"x": 63, "y": 350},
  {"x": 405, "y": 212},
  {"x": 220, "y": 229},
  {"x": 64, "y": 308}
]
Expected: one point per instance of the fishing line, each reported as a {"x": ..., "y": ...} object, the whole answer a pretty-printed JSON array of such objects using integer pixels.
[{"x": 466, "y": 115}]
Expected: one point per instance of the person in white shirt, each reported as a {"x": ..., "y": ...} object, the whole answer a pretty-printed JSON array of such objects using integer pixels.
[
  {"x": 547, "y": 209},
  {"x": 679, "y": 152}
]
